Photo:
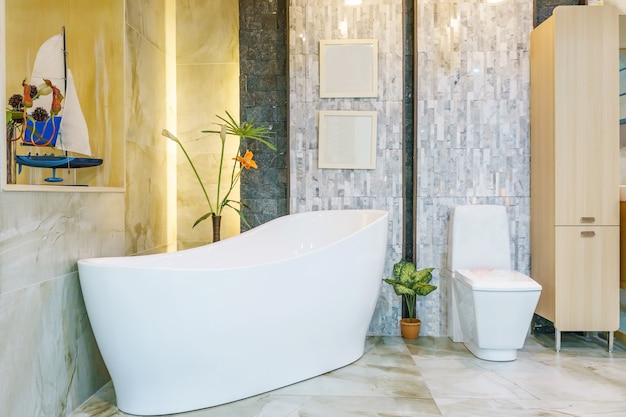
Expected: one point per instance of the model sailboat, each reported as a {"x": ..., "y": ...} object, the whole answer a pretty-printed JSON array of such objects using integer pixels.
[{"x": 68, "y": 130}]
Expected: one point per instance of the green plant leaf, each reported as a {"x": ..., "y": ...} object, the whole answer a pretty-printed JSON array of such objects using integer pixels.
[
  {"x": 242, "y": 217},
  {"x": 202, "y": 218},
  {"x": 14, "y": 115},
  {"x": 397, "y": 268},
  {"x": 174, "y": 138},
  {"x": 245, "y": 130},
  {"x": 425, "y": 289},
  {"x": 407, "y": 273},
  {"x": 399, "y": 287},
  {"x": 239, "y": 212},
  {"x": 424, "y": 275}
]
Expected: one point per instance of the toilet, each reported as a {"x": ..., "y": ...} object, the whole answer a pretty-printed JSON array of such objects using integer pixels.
[{"x": 491, "y": 305}]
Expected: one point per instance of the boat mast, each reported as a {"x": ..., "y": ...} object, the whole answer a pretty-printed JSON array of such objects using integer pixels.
[
  {"x": 64, "y": 60},
  {"x": 64, "y": 70}
]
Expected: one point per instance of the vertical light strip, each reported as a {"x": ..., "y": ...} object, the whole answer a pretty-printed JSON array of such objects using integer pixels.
[
  {"x": 3, "y": 96},
  {"x": 170, "y": 121}
]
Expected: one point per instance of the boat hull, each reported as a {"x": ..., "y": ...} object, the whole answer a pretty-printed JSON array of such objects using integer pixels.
[{"x": 53, "y": 161}]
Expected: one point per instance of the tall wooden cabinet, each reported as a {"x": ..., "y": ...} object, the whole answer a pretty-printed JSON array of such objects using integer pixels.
[{"x": 574, "y": 176}]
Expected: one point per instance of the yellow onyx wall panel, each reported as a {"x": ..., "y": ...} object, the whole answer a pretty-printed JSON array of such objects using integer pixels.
[
  {"x": 207, "y": 86},
  {"x": 150, "y": 67},
  {"x": 95, "y": 45}
]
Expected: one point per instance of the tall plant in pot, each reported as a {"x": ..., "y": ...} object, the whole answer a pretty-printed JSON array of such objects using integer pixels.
[
  {"x": 243, "y": 159},
  {"x": 409, "y": 282}
]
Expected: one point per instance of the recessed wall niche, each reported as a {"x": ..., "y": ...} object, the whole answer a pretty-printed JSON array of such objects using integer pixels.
[{"x": 95, "y": 55}]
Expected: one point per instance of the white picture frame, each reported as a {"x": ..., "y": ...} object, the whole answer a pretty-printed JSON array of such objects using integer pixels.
[
  {"x": 347, "y": 139},
  {"x": 348, "y": 68}
]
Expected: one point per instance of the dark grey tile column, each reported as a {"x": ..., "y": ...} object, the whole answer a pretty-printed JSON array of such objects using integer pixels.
[
  {"x": 409, "y": 131},
  {"x": 263, "y": 95},
  {"x": 544, "y": 8}
]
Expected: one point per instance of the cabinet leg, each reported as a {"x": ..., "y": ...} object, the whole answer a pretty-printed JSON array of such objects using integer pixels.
[
  {"x": 557, "y": 340},
  {"x": 611, "y": 339}
]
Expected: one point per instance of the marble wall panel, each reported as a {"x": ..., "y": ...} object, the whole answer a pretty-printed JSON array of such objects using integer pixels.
[
  {"x": 207, "y": 32},
  {"x": 48, "y": 358},
  {"x": 42, "y": 235},
  {"x": 149, "y": 227},
  {"x": 472, "y": 125},
  {"x": 207, "y": 86},
  {"x": 148, "y": 18},
  {"x": 204, "y": 92},
  {"x": 312, "y": 188},
  {"x": 473, "y": 143}
]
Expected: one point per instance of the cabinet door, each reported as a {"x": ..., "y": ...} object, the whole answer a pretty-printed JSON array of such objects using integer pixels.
[
  {"x": 586, "y": 129},
  {"x": 587, "y": 278},
  {"x": 587, "y": 184}
]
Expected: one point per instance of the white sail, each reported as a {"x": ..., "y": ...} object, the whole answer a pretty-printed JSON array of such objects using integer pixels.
[
  {"x": 50, "y": 64},
  {"x": 73, "y": 132}
]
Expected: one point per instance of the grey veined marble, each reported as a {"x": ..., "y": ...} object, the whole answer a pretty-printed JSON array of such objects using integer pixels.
[{"x": 436, "y": 377}]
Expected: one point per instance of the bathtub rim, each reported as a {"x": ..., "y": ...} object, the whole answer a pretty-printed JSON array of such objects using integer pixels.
[{"x": 118, "y": 261}]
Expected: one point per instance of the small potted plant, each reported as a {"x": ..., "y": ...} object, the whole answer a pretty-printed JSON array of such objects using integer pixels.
[{"x": 409, "y": 282}]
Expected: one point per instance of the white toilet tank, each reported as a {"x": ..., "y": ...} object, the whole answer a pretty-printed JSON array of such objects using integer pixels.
[{"x": 479, "y": 238}]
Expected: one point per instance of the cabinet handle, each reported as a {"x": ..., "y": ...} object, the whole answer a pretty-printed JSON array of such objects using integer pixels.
[
  {"x": 587, "y": 219},
  {"x": 587, "y": 234}
]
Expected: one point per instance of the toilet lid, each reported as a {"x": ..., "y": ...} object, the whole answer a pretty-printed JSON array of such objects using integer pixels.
[{"x": 497, "y": 279}]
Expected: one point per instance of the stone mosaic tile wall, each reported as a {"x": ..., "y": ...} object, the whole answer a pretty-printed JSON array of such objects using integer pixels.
[
  {"x": 312, "y": 188},
  {"x": 472, "y": 116},
  {"x": 263, "y": 95}
]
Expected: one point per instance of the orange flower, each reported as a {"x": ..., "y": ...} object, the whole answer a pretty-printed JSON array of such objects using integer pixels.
[{"x": 246, "y": 160}]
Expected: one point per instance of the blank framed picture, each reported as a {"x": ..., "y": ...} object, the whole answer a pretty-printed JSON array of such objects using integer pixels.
[
  {"x": 348, "y": 68},
  {"x": 347, "y": 139}
]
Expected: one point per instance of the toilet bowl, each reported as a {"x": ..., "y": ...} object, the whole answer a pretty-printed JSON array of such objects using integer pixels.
[{"x": 491, "y": 305}]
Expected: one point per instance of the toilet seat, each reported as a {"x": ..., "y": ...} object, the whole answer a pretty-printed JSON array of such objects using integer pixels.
[{"x": 497, "y": 280}]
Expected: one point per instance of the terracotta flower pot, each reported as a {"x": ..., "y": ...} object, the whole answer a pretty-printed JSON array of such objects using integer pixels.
[{"x": 410, "y": 328}]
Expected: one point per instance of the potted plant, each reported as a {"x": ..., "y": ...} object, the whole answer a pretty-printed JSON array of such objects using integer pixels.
[
  {"x": 409, "y": 282},
  {"x": 243, "y": 159}
]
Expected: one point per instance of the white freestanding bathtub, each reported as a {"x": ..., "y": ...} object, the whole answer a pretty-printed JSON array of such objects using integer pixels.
[{"x": 283, "y": 302}]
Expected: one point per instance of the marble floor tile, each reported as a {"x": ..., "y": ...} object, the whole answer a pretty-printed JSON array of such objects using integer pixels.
[
  {"x": 525, "y": 408},
  {"x": 436, "y": 377}
]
